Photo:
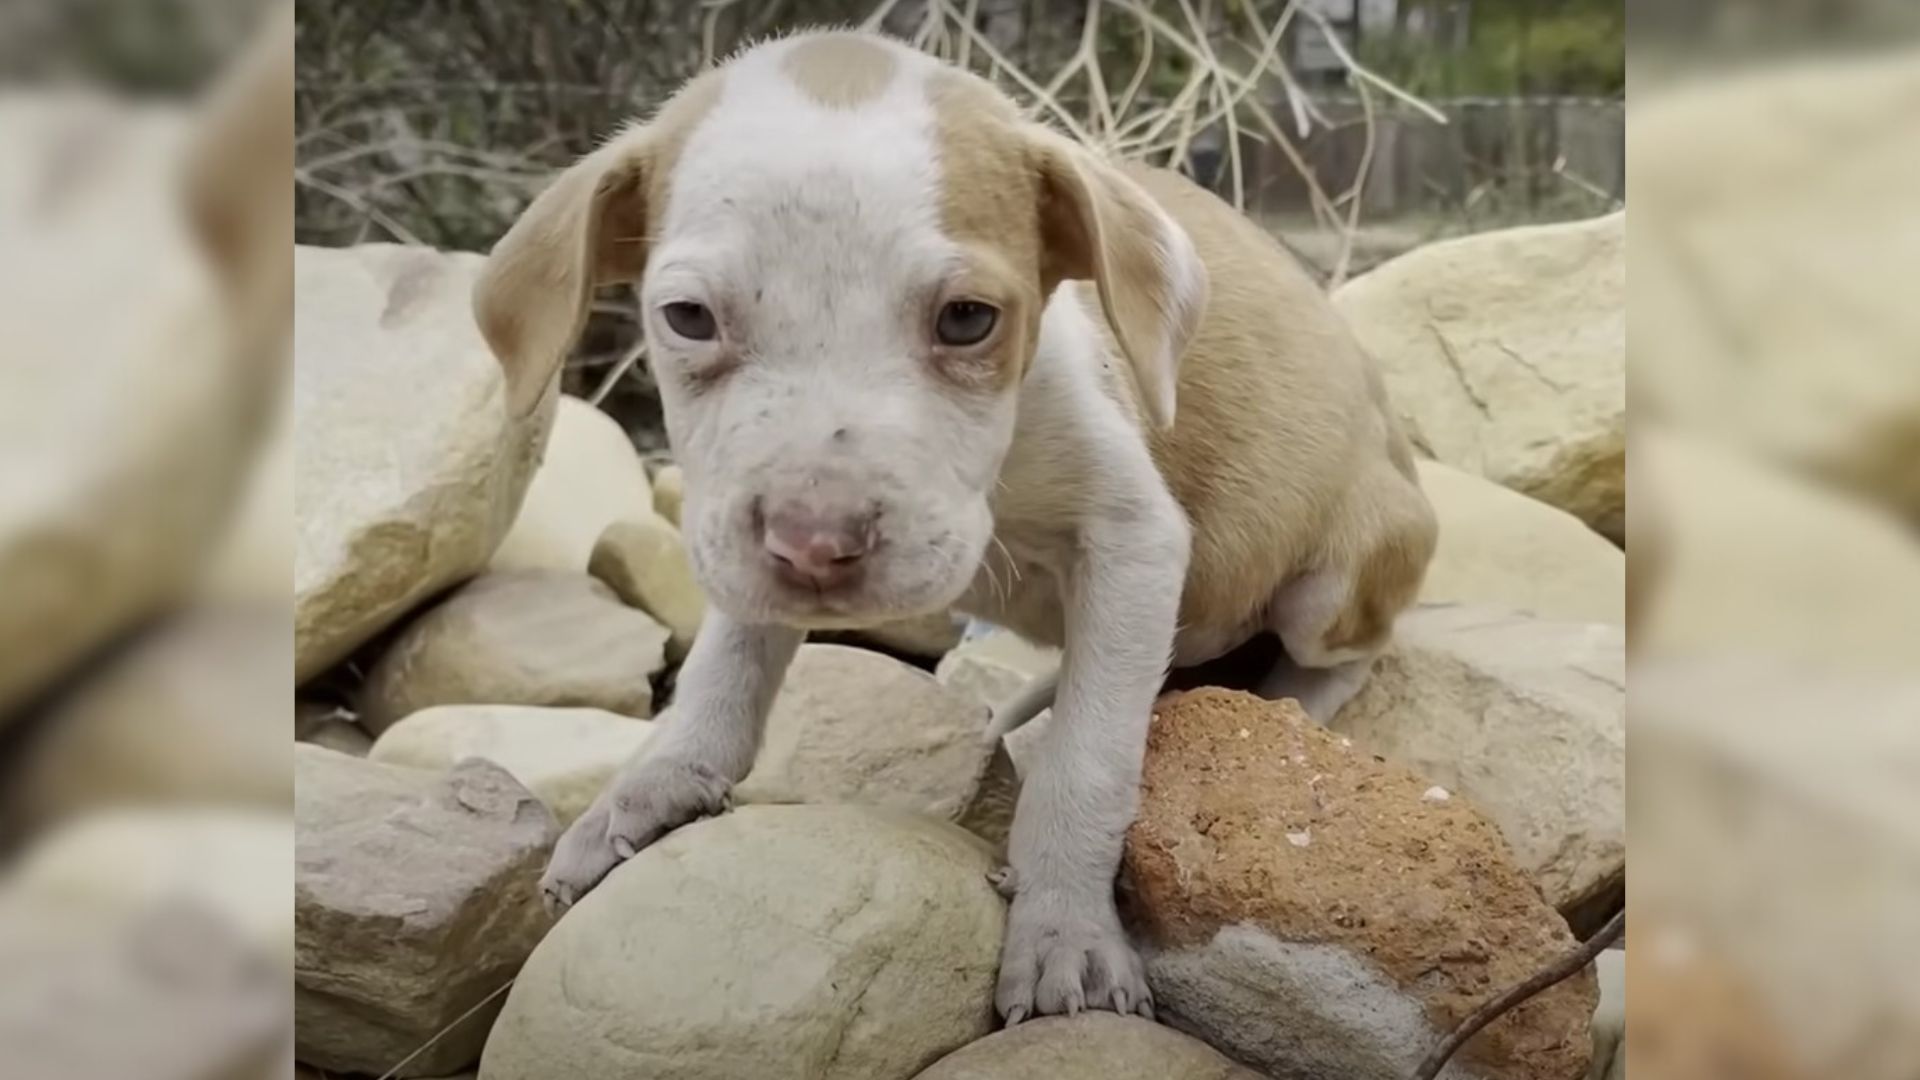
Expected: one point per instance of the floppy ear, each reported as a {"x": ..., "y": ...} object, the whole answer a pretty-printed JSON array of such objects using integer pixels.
[
  {"x": 587, "y": 229},
  {"x": 1098, "y": 225}
]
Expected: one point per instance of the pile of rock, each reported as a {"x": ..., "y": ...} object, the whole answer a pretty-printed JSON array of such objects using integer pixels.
[{"x": 489, "y": 617}]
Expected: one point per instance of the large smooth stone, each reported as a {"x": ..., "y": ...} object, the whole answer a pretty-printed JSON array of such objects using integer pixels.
[{"x": 775, "y": 942}]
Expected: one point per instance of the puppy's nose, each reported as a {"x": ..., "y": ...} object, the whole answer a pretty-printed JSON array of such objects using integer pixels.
[{"x": 817, "y": 546}]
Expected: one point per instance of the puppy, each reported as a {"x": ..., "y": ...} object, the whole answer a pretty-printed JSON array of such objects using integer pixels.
[{"x": 917, "y": 353}]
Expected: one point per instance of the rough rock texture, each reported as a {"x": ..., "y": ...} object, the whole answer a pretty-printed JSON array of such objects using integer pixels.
[
  {"x": 1770, "y": 564},
  {"x": 850, "y": 725},
  {"x": 590, "y": 477},
  {"x": 181, "y": 716},
  {"x": 407, "y": 468},
  {"x": 1498, "y": 546},
  {"x": 415, "y": 896},
  {"x": 126, "y": 409},
  {"x": 524, "y": 637},
  {"x": 1506, "y": 353},
  {"x": 1820, "y": 375},
  {"x": 644, "y": 561},
  {"x": 1525, "y": 718},
  {"x": 669, "y": 491},
  {"x": 231, "y": 864},
  {"x": 927, "y": 637},
  {"x": 1311, "y": 912},
  {"x": 564, "y": 756},
  {"x": 1779, "y": 790},
  {"x": 1090, "y": 1046},
  {"x": 167, "y": 990},
  {"x": 995, "y": 666},
  {"x": 775, "y": 942}
]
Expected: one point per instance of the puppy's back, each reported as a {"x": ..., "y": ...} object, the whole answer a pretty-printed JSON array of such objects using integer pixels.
[{"x": 1284, "y": 450}]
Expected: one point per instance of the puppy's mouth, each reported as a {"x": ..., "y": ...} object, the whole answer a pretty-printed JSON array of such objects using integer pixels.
[{"x": 851, "y": 608}]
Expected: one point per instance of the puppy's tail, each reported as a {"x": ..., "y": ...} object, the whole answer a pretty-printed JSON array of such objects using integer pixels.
[{"x": 1033, "y": 699}]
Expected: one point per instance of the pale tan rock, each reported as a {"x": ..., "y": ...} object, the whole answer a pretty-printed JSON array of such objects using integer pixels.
[
  {"x": 525, "y": 637},
  {"x": 1755, "y": 560},
  {"x": 590, "y": 477},
  {"x": 183, "y": 716},
  {"x": 779, "y": 943},
  {"x": 564, "y": 756},
  {"x": 1782, "y": 793},
  {"x": 852, "y": 725},
  {"x": 127, "y": 407},
  {"x": 1525, "y": 718},
  {"x": 415, "y": 896},
  {"x": 407, "y": 468},
  {"x": 996, "y": 666},
  {"x": 1307, "y": 910},
  {"x": 252, "y": 562},
  {"x": 1090, "y": 1046},
  {"x": 113, "y": 864},
  {"x": 644, "y": 561},
  {"x": 1752, "y": 224},
  {"x": 669, "y": 492},
  {"x": 1498, "y": 546},
  {"x": 1506, "y": 354}
]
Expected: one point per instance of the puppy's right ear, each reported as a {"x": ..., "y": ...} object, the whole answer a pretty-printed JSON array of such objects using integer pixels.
[{"x": 587, "y": 229}]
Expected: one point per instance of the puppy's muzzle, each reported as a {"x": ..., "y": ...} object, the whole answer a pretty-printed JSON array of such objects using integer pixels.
[{"x": 817, "y": 543}]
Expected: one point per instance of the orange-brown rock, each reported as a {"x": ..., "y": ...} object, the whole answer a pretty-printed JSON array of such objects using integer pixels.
[{"x": 1316, "y": 912}]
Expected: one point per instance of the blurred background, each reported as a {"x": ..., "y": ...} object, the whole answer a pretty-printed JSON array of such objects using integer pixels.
[
  {"x": 147, "y": 532},
  {"x": 435, "y": 122}
]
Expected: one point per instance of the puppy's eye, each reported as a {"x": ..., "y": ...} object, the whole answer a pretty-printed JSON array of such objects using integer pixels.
[
  {"x": 690, "y": 320},
  {"x": 965, "y": 322}
]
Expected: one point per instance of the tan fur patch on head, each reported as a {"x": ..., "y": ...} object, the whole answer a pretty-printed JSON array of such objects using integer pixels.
[
  {"x": 989, "y": 196},
  {"x": 840, "y": 71}
]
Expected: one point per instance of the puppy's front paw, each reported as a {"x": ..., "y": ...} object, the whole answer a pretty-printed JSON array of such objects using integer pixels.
[
  {"x": 640, "y": 805},
  {"x": 1065, "y": 953}
]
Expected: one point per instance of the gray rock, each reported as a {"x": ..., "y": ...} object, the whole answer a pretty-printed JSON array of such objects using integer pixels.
[
  {"x": 524, "y": 637},
  {"x": 772, "y": 943},
  {"x": 852, "y": 725},
  {"x": 1523, "y": 717},
  {"x": 415, "y": 898},
  {"x": 1090, "y": 1046}
]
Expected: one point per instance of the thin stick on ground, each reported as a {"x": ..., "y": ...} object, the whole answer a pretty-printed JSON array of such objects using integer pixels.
[
  {"x": 1569, "y": 965},
  {"x": 457, "y": 1021}
]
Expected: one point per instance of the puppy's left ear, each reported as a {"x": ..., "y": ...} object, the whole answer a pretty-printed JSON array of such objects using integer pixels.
[
  {"x": 587, "y": 229},
  {"x": 1097, "y": 225}
]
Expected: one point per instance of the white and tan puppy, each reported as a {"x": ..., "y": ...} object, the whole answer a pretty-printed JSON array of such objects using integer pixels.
[{"x": 918, "y": 353}]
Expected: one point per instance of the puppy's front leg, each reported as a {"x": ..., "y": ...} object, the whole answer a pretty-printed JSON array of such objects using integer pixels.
[
  {"x": 1065, "y": 950},
  {"x": 705, "y": 743}
]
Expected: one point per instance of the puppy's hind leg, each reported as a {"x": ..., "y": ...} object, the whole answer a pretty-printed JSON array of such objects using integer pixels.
[
  {"x": 1321, "y": 692},
  {"x": 1326, "y": 662}
]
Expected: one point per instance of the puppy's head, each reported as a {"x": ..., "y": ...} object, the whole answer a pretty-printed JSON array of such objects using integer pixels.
[{"x": 842, "y": 249}]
